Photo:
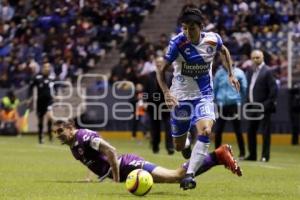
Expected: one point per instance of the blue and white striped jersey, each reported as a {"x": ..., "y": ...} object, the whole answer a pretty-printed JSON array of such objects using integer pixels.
[{"x": 193, "y": 65}]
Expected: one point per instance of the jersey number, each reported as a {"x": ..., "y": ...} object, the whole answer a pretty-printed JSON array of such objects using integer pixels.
[
  {"x": 86, "y": 137},
  {"x": 136, "y": 163},
  {"x": 205, "y": 110}
]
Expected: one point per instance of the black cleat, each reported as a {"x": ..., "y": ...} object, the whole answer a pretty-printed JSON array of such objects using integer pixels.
[
  {"x": 171, "y": 151},
  {"x": 188, "y": 182},
  {"x": 187, "y": 152}
]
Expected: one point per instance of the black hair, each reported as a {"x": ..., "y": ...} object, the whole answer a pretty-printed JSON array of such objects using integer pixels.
[
  {"x": 65, "y": 123},
  {"x": 192, "y": 15}
]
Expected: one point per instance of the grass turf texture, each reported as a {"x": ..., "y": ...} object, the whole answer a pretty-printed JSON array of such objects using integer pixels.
[{"x": 32, "y": 171}]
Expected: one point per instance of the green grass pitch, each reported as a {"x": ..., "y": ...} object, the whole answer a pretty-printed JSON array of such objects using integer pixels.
[{"x": 31, "y": 171}]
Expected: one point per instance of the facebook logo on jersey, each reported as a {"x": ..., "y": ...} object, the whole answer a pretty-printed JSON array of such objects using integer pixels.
[{"x": 193, "y": 70}]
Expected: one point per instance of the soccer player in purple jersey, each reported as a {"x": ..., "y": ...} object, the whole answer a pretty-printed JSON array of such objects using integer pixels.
[
  {"x": 190, "y": 97},
  {"x": 102, "y": 159}
]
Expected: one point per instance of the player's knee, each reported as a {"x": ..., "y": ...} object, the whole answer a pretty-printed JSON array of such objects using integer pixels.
[{"x": 206, "y": 131}]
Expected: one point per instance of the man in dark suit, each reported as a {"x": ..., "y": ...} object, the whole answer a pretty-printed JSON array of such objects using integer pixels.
[{"x": 262, "y": 92}]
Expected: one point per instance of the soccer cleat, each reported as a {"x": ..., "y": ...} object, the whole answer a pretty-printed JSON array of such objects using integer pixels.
[
  {"x": 187, "y": 152},
  {"x": 188, "y": 182},
  {"x": 225, "y": 156}
]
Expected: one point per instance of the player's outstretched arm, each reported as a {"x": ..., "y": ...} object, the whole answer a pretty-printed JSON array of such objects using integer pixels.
[
  {"x": 227, "y": 62},
  {"x": 161, "y": 68},
  {"x": 164, "y": 175},
  {"x": 111, "y": 154}
]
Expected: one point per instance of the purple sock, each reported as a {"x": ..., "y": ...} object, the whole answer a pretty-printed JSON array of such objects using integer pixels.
[{"x": 209, "y": 161}]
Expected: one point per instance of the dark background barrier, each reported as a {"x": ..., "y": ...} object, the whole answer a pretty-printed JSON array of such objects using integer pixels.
[{"x": 94, "y": 114}]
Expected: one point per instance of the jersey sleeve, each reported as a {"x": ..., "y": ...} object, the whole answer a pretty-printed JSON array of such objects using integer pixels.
[
  {"x": 87, "y": 136},
  {"x": 95, "y": 143},
  {"x": 172, "y": 52},
  {"x": 92, "y": 139}
]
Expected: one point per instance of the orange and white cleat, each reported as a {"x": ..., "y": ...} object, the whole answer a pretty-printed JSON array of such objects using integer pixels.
[{"x": 225, "y": 157}]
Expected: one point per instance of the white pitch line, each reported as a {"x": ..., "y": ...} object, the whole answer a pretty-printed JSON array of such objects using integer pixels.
[
  {"x": 51, "y": 147},
  {"x": 264, "y": 165},
  {"x": 271, "y": 167}
]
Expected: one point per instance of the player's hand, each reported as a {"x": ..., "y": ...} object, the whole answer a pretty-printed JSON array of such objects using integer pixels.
[
  {"x": 170, "y": 100},
  {"x": 234, "y": 82},
  {"x": 87, "y": 180},
  {"x": 84, "y": 180}
]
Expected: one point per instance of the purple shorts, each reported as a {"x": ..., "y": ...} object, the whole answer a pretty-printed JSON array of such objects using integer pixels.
[{"x": 131, "y": 162}]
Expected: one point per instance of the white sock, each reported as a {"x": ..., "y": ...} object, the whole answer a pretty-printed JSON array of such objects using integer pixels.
[
  {"x": 187, "y": 141},
  {"x": 199, "y": 152}
]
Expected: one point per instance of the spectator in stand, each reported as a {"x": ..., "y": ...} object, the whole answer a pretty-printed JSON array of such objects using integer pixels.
[
  {"x": 149, "y": 65},
  {"x": 6, "y": 11},
  {"x": 118, "y": 71},
  {"x": 162, "y": 43},
  {"x": 79, "y": 33}
]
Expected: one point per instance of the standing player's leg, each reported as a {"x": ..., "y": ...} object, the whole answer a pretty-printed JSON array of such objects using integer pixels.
[
  {"x": 49, "y": 124},
  {"x": 41, "y": 112},
  {"x": 40, "y": 116},
  {"x": 199, "y": 152},
  {"x": 203, "y": 118},
  {"x": 180, "y": 125},
  {"x": 218, "y": 157}
]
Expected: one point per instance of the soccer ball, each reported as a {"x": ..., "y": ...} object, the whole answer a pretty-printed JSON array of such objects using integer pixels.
[{"x": 139, "y": 182}]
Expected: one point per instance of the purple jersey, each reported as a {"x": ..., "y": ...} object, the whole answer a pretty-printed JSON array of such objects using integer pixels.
[
  {"x": 98, "y": 162},
  {"x": 90, "y": 157}
]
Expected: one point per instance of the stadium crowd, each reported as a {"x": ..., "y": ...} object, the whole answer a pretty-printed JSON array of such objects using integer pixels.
[
  {"x": 243, "y": 26},
  {"x": 74, "y": 35},
  {"x": 71, "y": 35}
]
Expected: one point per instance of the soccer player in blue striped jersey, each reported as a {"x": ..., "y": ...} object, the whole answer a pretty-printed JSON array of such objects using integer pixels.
[{"x": 190, "y": 97}]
